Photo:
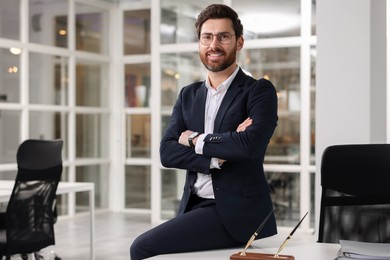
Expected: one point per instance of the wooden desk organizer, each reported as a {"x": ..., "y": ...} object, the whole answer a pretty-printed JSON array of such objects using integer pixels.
[{"x": 259, "y": 256}]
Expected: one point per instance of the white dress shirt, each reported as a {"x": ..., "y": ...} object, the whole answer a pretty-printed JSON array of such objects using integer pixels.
[{"x": 203, "y": 184}]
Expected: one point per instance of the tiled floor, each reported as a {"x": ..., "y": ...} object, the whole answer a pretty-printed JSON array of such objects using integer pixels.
[{"x": 114, "y": 233}]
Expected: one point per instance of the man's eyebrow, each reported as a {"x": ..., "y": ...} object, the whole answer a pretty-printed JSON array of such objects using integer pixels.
[{"x": 216, "y": 33}]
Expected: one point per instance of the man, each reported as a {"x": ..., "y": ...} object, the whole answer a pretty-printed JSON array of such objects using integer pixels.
[{"x": 219, "y": 131}]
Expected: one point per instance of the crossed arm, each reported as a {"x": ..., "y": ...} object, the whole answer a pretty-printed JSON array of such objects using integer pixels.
[{"x": 183, "y": 139}]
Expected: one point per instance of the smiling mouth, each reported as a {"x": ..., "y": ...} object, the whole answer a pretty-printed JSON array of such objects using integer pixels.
[
  {"x": 215, "y": 57},
  {"x": 215, "y": 54}
]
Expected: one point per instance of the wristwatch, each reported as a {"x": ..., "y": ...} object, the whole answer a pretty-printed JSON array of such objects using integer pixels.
[{"x": 191, "y": 137}]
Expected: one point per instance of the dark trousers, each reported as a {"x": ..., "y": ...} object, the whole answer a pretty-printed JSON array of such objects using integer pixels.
[{"x": 200, "y": 228}]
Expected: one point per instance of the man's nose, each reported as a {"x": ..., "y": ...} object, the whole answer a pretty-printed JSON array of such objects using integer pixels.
[{"x": 215, "y": 41}]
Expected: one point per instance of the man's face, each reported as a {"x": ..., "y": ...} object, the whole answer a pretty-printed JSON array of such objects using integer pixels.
[{"x": 218, "y": 56}]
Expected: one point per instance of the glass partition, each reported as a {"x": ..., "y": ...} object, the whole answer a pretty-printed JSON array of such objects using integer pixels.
[
  {"x": 137, "y": 186},
  {"x": 178, "y": 20},
  {"x": 97, "y": 174},
  {"x": 10, "y": 19},
  {"x": 48, "y": 79},
  {"x": 91, "y": 29},
  {"x": 65, "y": 91},
  {"x": 9, "y": 135},
  {"x": 45, "y": 25},
  {"x": 137, "y": 85},
  {"x": 172, "y": 183},
  {"x": 136, "y": 32},
  {"x": 61, "y": 31},
  {"x": 10, "y": 176},
  {"x": 10, "y": 74},
  {"x": 91, "y": 84},
  {"x": 91, "y": 136},
  {"x": 138, "y": 136},
  {"x": 285, "y": 194}
]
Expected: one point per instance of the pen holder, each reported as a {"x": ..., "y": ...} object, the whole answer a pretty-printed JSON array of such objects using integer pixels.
[{"x": 259, "y": 256}]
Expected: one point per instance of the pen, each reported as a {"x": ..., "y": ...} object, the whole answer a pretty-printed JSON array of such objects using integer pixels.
[
  {"x": 257, "y": 232},
  {"x": 289, "y": 237}
]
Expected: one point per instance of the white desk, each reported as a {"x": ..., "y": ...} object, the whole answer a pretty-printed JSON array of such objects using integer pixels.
[
  {"x": 63, "y": 188},
  {"x": 302, "y": 248}
]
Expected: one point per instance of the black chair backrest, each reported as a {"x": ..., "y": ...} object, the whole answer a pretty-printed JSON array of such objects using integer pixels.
[
  {"x": 39, "y": 154},
  {"x": 355, "y": 202},
  {"x": 29, "y": 216},
  {"x": 357, "y": 169}
]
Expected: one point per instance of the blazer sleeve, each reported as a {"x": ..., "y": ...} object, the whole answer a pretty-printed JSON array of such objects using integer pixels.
[
  {"x": 251, "y": 143},
  {"x": 172, "y": 153}
]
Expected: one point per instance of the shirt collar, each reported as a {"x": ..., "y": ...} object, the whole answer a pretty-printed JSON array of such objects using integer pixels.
[{"x": 226, "y": 84}]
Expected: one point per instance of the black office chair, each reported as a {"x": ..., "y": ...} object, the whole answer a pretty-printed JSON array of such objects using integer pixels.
[
  {"x": 29, "y": 216},
  {"x": 355, "y": 202}
]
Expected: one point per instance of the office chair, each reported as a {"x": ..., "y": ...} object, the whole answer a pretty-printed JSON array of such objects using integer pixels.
[
  {"x": 29, "y": 216},
  {"x": 355, "y": 200}
]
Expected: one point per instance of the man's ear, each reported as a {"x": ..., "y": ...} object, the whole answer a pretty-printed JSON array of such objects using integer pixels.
[{"x": 240, "y": 43}]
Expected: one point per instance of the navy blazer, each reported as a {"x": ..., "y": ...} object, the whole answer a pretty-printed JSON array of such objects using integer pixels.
[{"x": 242, "y": 193}]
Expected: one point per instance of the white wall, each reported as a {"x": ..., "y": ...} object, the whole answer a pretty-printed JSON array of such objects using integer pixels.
[{"x": 351, "y": 79}]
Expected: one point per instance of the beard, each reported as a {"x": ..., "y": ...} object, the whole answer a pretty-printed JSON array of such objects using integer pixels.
[{"x": 212, "y": 66}]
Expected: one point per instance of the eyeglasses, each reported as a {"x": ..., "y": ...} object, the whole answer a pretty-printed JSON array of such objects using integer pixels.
[{"x": 222, "y": 37}]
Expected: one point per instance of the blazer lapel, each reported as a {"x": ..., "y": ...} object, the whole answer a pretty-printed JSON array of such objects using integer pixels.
[
  {"x": 200, "y": 106},
  {"x": 229, "y": 97}
]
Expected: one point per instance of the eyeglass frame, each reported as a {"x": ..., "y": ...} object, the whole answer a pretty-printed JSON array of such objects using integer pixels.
[{"x": 219, "y": 36}]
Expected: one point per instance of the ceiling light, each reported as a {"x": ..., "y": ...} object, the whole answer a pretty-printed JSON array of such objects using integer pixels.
[
  {"x": 268, "y": 23},
  {"x": 15, "y": 51}
]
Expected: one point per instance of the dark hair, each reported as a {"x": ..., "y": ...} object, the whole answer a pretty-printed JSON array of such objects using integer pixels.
[{"x": 218, "y": 11}]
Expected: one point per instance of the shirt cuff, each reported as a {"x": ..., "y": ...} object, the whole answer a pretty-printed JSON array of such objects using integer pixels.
[
  {"x": 214, "y": 163},
  {"x": 199, "y": 144}
]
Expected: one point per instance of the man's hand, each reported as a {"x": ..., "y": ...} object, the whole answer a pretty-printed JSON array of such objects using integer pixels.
[
  {"x": 241, "y": 127},
  {"x": 183, "y": 139}
]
